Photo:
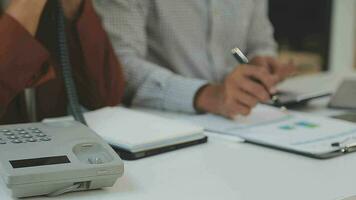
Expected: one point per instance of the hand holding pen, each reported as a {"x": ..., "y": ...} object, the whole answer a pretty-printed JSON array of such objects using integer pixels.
[
  {"x": 241, "y": 58},
  {"x": 238, "y": 93}
]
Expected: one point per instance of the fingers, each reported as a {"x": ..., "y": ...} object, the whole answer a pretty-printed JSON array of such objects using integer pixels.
[
  {"x": 27, "y": 13},
  {"x": 239, "y": 102},
  {"x": 288, "y": 70},
  {"x": 282, "y": 70},
  {"x": 238, "y": 94},
  {"x": 237, "y": 109},
  {"x": 254, "y": 89},
  {"x": 262, "y": 75},
  {"x": 274, "y": 65},
  {"x": 246, "y": 99},
  {"x": 225, "y": 100}
]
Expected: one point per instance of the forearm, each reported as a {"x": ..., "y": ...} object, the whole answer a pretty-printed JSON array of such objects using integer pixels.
[
  {"x": 27, "y": 13},
  {"x": 153, "y": 86}
]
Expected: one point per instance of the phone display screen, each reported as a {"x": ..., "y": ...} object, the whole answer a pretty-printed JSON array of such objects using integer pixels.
[{"x": 35, "y": 162}]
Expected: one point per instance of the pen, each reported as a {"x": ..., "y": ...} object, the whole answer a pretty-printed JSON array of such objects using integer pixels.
[{"x": 241, "y": 58}]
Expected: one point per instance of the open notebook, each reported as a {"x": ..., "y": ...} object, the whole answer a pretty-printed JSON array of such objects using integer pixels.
[{"x": 140, "y": 134}]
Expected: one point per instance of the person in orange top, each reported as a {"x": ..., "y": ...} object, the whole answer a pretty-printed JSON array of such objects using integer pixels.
[{"x": 28, "y": 58}]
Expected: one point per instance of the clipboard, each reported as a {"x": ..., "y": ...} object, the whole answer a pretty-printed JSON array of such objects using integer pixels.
[
  {"x": 344, "y": 149},
  {"x": 295, "y": 132},
  {"x": 339, "y": 141}
]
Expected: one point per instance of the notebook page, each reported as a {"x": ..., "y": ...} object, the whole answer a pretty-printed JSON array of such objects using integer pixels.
[
  {"x": 260, "y": 116},
  {"x": 135, "y": 130}
]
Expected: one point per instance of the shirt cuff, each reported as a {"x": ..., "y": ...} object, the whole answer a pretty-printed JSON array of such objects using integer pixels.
[
  {"x": 167, "y": 91},
  {"x": 180, "y": 93}
]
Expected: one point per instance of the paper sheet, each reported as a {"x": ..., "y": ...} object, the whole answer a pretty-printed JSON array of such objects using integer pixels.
[
  {"x": 261, "y": 115},
  {"x": 292, "y": 130}
]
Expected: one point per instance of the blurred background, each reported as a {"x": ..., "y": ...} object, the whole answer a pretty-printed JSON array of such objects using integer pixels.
[{"x": 318, "y": 35}]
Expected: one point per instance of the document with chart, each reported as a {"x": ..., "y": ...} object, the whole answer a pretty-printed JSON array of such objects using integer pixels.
[{"x": 297, "y": 132}]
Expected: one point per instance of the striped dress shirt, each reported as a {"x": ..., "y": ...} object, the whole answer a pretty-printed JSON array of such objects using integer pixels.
[{"x": 171, "y": 48}]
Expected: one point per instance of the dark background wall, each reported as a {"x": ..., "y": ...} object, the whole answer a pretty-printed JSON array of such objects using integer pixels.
[{"x": 303, "y": 26}]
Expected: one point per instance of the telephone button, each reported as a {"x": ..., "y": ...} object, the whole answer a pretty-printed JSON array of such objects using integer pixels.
[
  {"x": 27, "y": 136},
  {"x": 45, "y": 139},
  {"x": 13, "y": 137},
  {"x": 41, "y": 135},
  {"x": 37, "y": 131},
  {"x": 31, "y": 140}
]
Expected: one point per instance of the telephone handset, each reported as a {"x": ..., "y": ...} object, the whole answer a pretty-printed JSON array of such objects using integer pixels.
[{"x": 59, "y": 157}]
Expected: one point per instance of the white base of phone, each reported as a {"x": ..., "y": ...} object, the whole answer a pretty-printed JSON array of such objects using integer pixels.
[{"x": 55, "y": 158}]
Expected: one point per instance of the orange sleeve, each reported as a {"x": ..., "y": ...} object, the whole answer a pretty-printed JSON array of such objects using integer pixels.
[
  {"x": 23, "y": 60},
  {"x": 103, "y": 82}
]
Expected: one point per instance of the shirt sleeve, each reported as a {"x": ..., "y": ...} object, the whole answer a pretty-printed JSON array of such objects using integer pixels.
[
  {"x": 148, "y": 84},
  {"x": 23, "y": 60},
  {"x": 260, "y": 41},
  {"x": 100, "y": 79}
]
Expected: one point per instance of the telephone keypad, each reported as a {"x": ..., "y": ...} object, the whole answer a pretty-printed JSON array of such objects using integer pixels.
[{"x": 23, "y": 135}]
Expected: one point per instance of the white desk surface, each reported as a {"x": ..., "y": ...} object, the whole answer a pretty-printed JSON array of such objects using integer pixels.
[{"x": 230, "y": 170}]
